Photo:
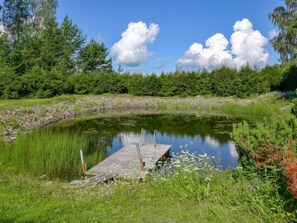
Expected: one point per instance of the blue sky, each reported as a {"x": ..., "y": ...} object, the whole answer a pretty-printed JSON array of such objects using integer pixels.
[{"x": 180, "y": 24}]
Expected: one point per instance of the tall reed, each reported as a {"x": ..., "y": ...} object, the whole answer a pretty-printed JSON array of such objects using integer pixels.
[
  {"x": 50, "y": 152},
  {"x": 251, "y": 110}
]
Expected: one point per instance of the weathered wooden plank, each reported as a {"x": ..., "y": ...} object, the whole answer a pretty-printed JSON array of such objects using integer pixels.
[
  {"x": 125, "y": 162},
  {"x": 100, "y": 178}
]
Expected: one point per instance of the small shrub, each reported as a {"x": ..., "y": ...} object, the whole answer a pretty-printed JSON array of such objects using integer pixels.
[
  {"x": 267, "y": 149},
  {"x": 290, "y": 169}
]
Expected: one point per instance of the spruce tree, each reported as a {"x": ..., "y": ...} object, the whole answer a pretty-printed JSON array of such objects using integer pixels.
[
  {"x": 72, "y": 42},
  {"x": 93, "y": 57}
]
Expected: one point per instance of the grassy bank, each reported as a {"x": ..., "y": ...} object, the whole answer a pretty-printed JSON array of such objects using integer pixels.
[
  {"x": 187, "y": 195},
  {"x": 26, "y": 114}
]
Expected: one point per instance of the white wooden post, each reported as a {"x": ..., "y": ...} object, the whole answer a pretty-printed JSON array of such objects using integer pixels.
[
  {"x": 155, "y": 133},
  {"x": 84, "y": 166}
]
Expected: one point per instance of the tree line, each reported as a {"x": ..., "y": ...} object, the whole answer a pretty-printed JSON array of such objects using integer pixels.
[
  {"x": 41, "y": 58},
  {"x": 38, "y": 83}
]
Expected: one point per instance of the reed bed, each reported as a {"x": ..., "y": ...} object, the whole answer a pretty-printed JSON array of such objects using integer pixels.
[{"x": 51, "y": 153}]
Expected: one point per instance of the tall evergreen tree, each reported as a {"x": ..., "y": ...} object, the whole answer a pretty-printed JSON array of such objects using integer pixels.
[
  {"x": 72, "y": 42},
  {"x": 4, "y": 50},
  {"x": 285, "y": 18},
  {"x": 93, "y": 57},
  {"x": 26, "y": 52},
  {"x": 52, "y": 45}
]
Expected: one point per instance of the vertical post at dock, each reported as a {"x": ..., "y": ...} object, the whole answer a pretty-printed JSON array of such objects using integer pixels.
[
  {"x": 143, "y": 138},
  {"x": 84, "y": 166},
  {"x": 140, "y": 158},
  {"x": 155, "y": 133}
]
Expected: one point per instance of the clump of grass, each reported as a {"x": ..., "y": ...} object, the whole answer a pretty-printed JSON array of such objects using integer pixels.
[
  {"x": 252, "y": 110},
  {"x": 3, "y": 152},
  {"x": 12, "y": 104},
  {"x": 49, "y": 152},
  {"x": 261, "y": 106}
]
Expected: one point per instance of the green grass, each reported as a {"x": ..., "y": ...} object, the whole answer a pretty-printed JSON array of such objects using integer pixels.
[
  {"x": 253, "y": 110},
  {"x": 249, "y": 111},
  {"x": 11, "y": 104},
  {"x": 47, "y": 151},
  {"x": 183, "y": 197},
  {"x": 188, "y": 103}
]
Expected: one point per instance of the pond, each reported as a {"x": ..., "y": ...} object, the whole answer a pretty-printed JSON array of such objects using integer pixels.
[
  {"x": 194, "y": 133},
  {"x": 54, "y": 151}
]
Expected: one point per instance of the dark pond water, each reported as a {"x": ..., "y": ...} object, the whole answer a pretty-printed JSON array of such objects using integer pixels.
[{"x": 196, "y": 134}]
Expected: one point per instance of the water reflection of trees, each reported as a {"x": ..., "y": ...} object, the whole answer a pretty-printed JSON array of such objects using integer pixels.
[
  {"x": 217, "y": 128},
  {"x": 100, "y": 132}
]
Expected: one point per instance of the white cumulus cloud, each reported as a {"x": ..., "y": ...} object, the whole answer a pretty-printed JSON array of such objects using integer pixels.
[
  {"x": 131, "y": 49},
  {"x": 272, "y": 33},
  {"x": 212, "y": 142},
  {"x": 247, "y": 47},
  {"x": 130, "y": 138},
  {"x": 232, "y": 149},
  {"x": 215, "y": 54}
]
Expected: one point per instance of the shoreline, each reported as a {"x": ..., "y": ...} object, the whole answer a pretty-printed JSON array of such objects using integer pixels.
[{"x": 30, "y": 114}]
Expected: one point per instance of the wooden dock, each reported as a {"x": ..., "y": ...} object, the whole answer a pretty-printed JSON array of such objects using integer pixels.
[{"x": 125, "y": 163}]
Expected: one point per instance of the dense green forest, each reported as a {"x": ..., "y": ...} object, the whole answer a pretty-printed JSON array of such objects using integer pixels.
[{"x": 41, "y": 58}]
